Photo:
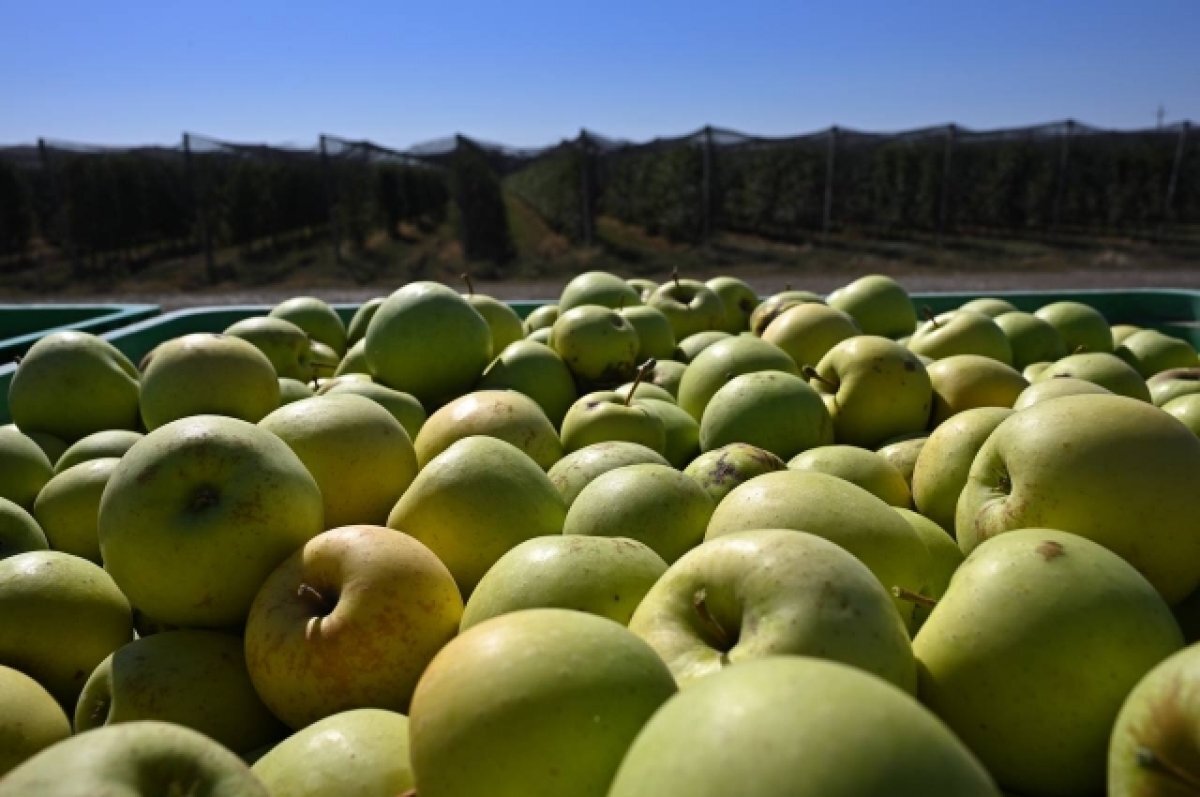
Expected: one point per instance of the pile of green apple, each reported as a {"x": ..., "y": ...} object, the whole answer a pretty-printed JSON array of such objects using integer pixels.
[{"x": 650, "y": 540}]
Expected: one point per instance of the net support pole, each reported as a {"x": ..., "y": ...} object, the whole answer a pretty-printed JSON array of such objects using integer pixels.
[
  {"x": 1176, "y": 164},
  {"x": 944, "y": 191},
  {"x": 706, "y": 184},
  {"x": 1064, "y": 153},
  {"x": 585, "y": 187},
  {"x": 830, "y": 150},
  {"x": 200, "y": 209},
  {"x": 335, "y": 237}
]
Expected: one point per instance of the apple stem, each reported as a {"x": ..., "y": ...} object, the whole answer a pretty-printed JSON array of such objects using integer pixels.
[
  {"x": 675, "y": 275},
  {"x": 930, "y": 316},
  {"x": 700, "y": 602},
  {"x": 1148, "y": 759},
  {"x": 811, "y": 373},
  {"x": 646, "y": 368},
  {"x": 905, "y": 594},
  {"x": 465, "y": 277},
  {"x": 787, "y": 286},
  {"x": 311, "y": 593}
]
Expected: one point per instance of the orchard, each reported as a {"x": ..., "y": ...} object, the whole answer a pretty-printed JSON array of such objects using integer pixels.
[{"x": 650, "y": 539}]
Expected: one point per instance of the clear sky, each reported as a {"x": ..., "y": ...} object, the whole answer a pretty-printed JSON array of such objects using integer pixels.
[{"x": 530, "y": 73}]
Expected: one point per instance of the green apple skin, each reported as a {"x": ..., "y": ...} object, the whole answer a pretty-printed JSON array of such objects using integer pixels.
[
  {"x": 404, "y": 407},
  {"x": 32, "y": 719},
  {"x": 945, "y": 462},
  {"x": 776, "y": 305},
  {"x": 504, "y": 414},
  {"x": 1056, "y": 387},
  {"x": 644, "y": 287},
  {"x": 506, "y": 326},
  {"x": 428, "y": 341},
  {"x": 134, "y": 758},
  {"x": 1172, "y": 383},
  {"x": 541, "y": 336},
  {"x": 51, "y": 446},
  {"x": 199, "y": 512},
  {"x": 653, "y": 504},
  {"x": 284, "y": 344},
  {"x": 1153, "y": 749},
  {"x": 596, "y": 288},
  {"x": 721, "y": 362},
  {"x": 691, "y": 346},
  {"x": 807, "y": 331},
  {"x": 293, "y": 390},
  {"x": 109, "y": 443},
  {"x": 1107, "y": 370},
  {"x": 598, "y": 344},
  {"x": 47, "y": 391},
  {"x": 772, "y": 410},
  {"x": 944, "y": 559},
  {"x": 68, "y": 507},
  {"x": 1021, "y": 613},
  {"x": 578, "y": 469},
  {"x": 357, "y": 328},
  {"x": 646, "y": 390},
  {"x": 667, "y": 374},
  {"x": 966, "y": 381},
  {"x": 875, "y": 390},
  {"x": 1034, "y": 370},
  {"x": 541, "y": 701},
  {"x": 476, "y": 500},
  {"x": 867, "y": 469},
  {"x": 656, "y": 337},
  {"x": 1122, "y": 331},
  {"x": 605, "y": 576},
  {"x": 903, "y": 454},
  {"x": 720, "y": 470},
  {"x": 795, "y": 726},
  {"x": 193, "y": 678},
  {"x": 738, "y": 299},
  {"x": 323, "y": 361},
  {"x": 681, "y": 441},
  {"x": 602, "y": 416},
  {"x": 690, "y": 306},
  {"x": 537, "y": 371},
  {"x": 1151, "y": 352},
  {"x": 318, "y": 320},
  {"x": 1031, "y": 338},
  {"x": 834, "y": 509},
  {"x": 205, "y": 374},
  {"x": 541, "y": 318},
  {"x": 961, "y": 332},
  {"x": 879, "y": 304},
  {"x": 19, "y": 531},
  {"x": 59, "y": 617},
  {"x": 349, "y": 621},
  {"x": 361, "y": 752},
  {"x": 1112, "y": 469},
  {"x": 355, "y": 360},
  {"x": 773, "y": 592},
  {"x": 1187, "y": 410},
  {"x": 24, "y": 468},
  {"x": 1082, "y": 327},
  {"x": 989, "y": 306}
]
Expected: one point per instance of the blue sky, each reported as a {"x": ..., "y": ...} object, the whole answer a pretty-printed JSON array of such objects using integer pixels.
[{"x": 530, "y": 73}]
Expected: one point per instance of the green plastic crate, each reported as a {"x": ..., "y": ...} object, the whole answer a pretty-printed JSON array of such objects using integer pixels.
[{"x": 21, "y": 325}]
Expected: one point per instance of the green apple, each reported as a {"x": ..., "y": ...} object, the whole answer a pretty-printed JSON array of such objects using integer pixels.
[
  {"x": 349, "y": 621},
  {"x": 1082, "y": 327},
  {"x": 667, "y": 374},
  {"x": 24, "y": 467},
  {"x": 691, "y": 346},
  {"x": 476, "y": 500},
  {"x": 19, "y": 531},
  {"x": 807, "y": 331},
  {"x": 646, "y": 390},
  {"x": 867, "y": 469},
  {"x": 293, "y": 390},
  {"x": 318, "y": 320},
  {"x": 903, "y": 454},
  {"x": 1122, "y": 331},
  {"x": 284, "y": 344},
  {"x": 59, "y": 617},
  {"x": 1107, "y": 370},
  {"x": 506, "y": 326},
  {"x": 32, "y": 719},
  {"x": 1150, "y": 352},
  {"x": 681, "y": 433},
  {"x": 355, "y": 361},
  {"x": 990, "y": 306},
  {"x": 738, "y": 299},
  {"x": 197, "y": 679},
  {"x": 577, "y": 470},
  {"x": 1031, "y": 338},
  {"x": 1172, "y": 383},
  {"x": 51, "y": 446},
  {"x": 1032, "y": 371},
  {"x": 357, "y": 329},
  {"x": 796, "y": 726},
  {"x": 961, "y": 332},
  {"x": 653, "y": 504},
  {"x": 541, "y": 701},
  {"x": 598, "y": 344},
  {"x": 358, "y": 453},
  {"x": 537, "y": 371},
  {"x": 945, "y": 461},
  {"x": 720, "y": 470},
  {"x": 134, "y": 758},
  {"x": 656, "y": 337},
  {"x": 361, "y": 752},
  {"x": 596, "y": 288},
  {"x": 541, "y": 336},
  {"x": 772, "y": 592},
  {"x": 944, "y": 559},
  {"x": 199, "y": 512},
  {"x": 603, "y": 416},
  {"x": 875, "y": 390},
  {"x": 504, "y": 414},
  {"x": 404, "y": 407},
  {"x": 68, "y": 507},
  {"x": 1112, "y": 469},
  {"x": 721, "y": 362},
  {"x": 1187, "y": 409},
  {"x": 323, "y": 361},
  {"x": 879, "y": 304},
  {"x": 1021, "y": 614},
  {"x": 1053, "y": 388},
  {"x": 541, "y": 318},
  {"x": 777, "y": 304},
  {"x": 427, "y": 340},
  {"x": 690, "y": 306},
  {"x": 966, "y": 381},
  {"x": 644, "y": 287},
  {"x": 205, "y": 374},
  {"x": 71, "y": 384},
  {"x": 607, "y": 576}
]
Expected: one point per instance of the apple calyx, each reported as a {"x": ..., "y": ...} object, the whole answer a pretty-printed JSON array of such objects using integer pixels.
[
  {"x": 321, "y": 604},
  {"x": 811, "y": 373},
  {"x": 930, "y": 316},
  {"x": 723, "y": 639},
  {"x": 906, "y": 594},
  {"x": 465, "y": 277},
  {"x": 203, "y": 497},
  {"x": 642, "y": 372},
  {"x": 1148, "y": 759}
]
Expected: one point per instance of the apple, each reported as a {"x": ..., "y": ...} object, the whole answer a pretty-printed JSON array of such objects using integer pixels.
[
  {"x": 1032, "y": 339},
  {"x": 720, "y": 470},
  {"x": 68, "y": 506},
  {"x": 197, "y": 679},
  {"x": 777, "y": 304},
  {"x": 293, "y": 390},
  {"x": 1187, "y": 409},
  {"x": 24, "y": 468},
  {"x": 358, "y": 453},
  {"x": 356, "y": 330},
  {"x": 577, "y": 470},
  {"x": 1032, "y": 371},
  {"x": 903, "y": 453},
  {"x": 1174, "y": 382},
  {"x": 1082, "y": 327},
  {"x": 690, "y": 306},
  {"x": 428, "y": 341},
  {"x": 656, "y": 337},
  {"x": 71, "y": 384},
  {"x": 606, "y": 576},
  {"x": 681, "y": 433},
  {"x": 284, "y": 344},
  {"x": 506, "y": 326},
  {"x": 361, "y": 752},
  {"x": 349, "y": 621},
  {"x": 355, "y": 360},
  {"x": 504, "y": 414},
  {"x": 691, "y": 346},
  {"x": 944, "y": 559},
  {"x": 476, "y": 500},
  {"x": 990, "y": 306},
  {"x": 32, "y": 719},
  {"x": 404, "y": 407},
  {"x": 653, "y": 504},
  {"x": 966, "y": 381},
  {"x": 1021, "y": 614},
  {"x": 945, "y": 461},
  {"x": 599, "y": 345},
  {"x": 541, "y": 318},
  {"x": 134, "y": 758},
  {"x": 199, "y": 512},
  {"x": 1112, "y": 469},
  {"x": 644, "y": 287},
  {"x": 541, "y": 336},
  {"x": 603, "y": 416},
  {"x": 318, "y": 320},
  {"x": 807, "y": 331},
  {"x": 324, "y": 361},
  {"x": 537, "y": 371},
  {"x": 721, "y": 362},
  {"x": 596, "y": 288},
  {"x": 1055, "y": 387},
  {"x": 667, "y": 374},
  {"x": 1150, "y": 352},
  {"x": 646, "y": 390},
  {"x": 541, "y": 701},
  {"x": 19, "y": 531},
  {"x": 738, "y": 299},
  {"x": 867, "y": 469},
  {"x": 796, "y": 726},
  {"x": 1107, "y": 370},
  {"x": 772, "y": 592},
  {"x": 51, "y": 446},
  {"x": 961, "y": 332},
  {"x": 879, "y": 304}
]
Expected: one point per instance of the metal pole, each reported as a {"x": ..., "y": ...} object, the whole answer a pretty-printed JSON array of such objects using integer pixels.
[
  {"x": 1064, "y": 152},
  {"x": 827, "y": 214},
  {"x": 944, "y": 195},
  {"x": 585, "y": 180},
  {"x": 200, "y": 210},
  {"x": 706, "y": 184},
  {"x": 335, "y": 238},
  {"x": 1175, "y": 166}
]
